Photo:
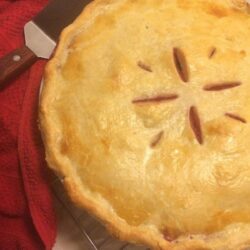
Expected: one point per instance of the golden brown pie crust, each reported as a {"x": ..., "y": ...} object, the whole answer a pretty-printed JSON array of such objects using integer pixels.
[{"x": 145, "y": 112}]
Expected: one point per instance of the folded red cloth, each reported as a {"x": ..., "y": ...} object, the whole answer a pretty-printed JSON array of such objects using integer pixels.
[{"x": 27, "y": 220}]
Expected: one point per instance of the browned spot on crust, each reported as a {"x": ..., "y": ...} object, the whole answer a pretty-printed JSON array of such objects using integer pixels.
[
  {"x": 217, "y": 11},
  {"x": 181, "y": 64},
  {"x": 64, "y": 147},
  {"x": 236, "y": 117},
  {"x": 212, "y": 52},
  {"x": 144, "y": 66},
  {"x": 221, "y": 86},
  {"x": 169, "y": 236},
  {"x": 156, "y": 99},
  {"x": 105, "y": 143},
  {"x": 195, "y": 124},
  {"x": 156, "y": 139},
  {"x": 243, "y": 53}
]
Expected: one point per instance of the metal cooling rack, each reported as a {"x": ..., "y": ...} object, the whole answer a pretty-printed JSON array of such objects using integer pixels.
[{"x": 90, "y": 233}]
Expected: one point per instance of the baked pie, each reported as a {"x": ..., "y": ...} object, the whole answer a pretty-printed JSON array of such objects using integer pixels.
[{"x": 145, "y": 112}]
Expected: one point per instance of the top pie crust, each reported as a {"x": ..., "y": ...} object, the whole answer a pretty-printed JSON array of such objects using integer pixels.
[{"x": 145, "y": 112}]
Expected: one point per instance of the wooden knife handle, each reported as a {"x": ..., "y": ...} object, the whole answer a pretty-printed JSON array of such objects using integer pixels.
[{"x": 14, "y": 63}]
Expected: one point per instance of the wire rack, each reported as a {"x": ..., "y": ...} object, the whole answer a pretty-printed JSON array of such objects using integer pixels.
[{"x": 79, "y": 230}]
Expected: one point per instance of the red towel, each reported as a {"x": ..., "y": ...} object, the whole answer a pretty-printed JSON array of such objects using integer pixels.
[{"x": 27, "y": 220}]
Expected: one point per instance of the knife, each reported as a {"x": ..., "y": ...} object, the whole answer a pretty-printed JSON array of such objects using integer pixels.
[{"x": 41, "y": 35}]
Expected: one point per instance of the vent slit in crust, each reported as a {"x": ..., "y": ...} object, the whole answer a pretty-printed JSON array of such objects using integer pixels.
[
  {"x": 236, "y": 117},
  {"x": 221, "y": 86},
  {"x": 157, "y": 139},
  {"x": 212, "y": 53},
  {"x": 144, "y": 66},
  {"x": 156, "y": 99},
  {"x": 195, "y": 124},
  {"x": 181, "y": 64}
]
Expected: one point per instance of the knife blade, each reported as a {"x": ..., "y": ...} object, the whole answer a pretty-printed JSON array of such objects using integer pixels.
[{"x": 41, "y": 35}]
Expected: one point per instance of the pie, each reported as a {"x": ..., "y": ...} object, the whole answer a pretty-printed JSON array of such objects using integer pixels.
[{"x": 145, "y": 112}]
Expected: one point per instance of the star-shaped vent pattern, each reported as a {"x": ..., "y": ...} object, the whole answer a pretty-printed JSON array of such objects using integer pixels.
[{"x": 183, "y": 71}]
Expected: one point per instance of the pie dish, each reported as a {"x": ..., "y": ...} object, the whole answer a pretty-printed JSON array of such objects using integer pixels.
[{"x": 145, "y": 112}]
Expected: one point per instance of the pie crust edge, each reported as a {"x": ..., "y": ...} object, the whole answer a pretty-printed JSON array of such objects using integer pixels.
[{"x": 112, "y": 221}]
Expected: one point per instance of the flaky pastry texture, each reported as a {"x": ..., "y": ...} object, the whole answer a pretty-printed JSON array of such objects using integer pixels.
[{"x": 145, "y": 112}]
